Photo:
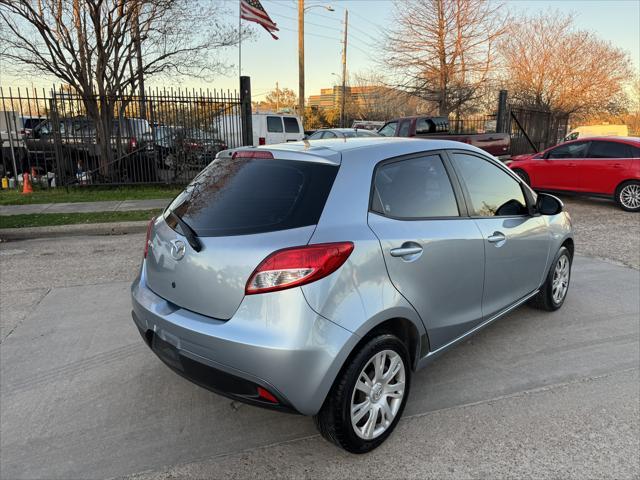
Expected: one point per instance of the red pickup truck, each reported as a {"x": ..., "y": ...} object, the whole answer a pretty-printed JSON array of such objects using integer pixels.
[{"x": 496, "y": 144}]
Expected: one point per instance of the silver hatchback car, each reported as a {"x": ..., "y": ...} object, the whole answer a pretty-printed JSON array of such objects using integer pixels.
[{"x": 317, "y": 277}]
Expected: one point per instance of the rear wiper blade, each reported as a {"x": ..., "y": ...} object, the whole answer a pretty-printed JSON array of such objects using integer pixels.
[{"x": 188, "y": 232}]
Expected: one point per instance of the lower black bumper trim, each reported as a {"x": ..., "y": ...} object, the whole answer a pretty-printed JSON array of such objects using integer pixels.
[{"x": 213, "y": 379}]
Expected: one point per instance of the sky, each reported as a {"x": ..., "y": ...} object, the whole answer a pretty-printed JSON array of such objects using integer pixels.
[{"x": 268, "y": 61}]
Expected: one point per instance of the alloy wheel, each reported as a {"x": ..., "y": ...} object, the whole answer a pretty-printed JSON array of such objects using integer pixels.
[
  {"x": 560, "y": 283},
  {"x": 630, "y": 196},
  {"x": 377, "y": 395}
]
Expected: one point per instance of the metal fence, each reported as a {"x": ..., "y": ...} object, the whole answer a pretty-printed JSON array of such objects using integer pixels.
[
  {"x": 164, "y": 136},
  {"x": 473, "y": 124},
  {"x": 534, "y": 130}
]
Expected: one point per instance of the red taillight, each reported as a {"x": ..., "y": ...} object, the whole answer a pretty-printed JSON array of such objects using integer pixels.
[
  {"x": 147, "y": 241},
  {"x": 252, "y": 154},
  {"x": 133, "y": 143},
  {"x": 266, "y": 395},
  {"x": 262, "y": 141},
  {"x": 296, "y": 266}
]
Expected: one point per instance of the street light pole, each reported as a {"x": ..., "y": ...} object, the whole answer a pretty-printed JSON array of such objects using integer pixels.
[{"x": 301, "y": 59}]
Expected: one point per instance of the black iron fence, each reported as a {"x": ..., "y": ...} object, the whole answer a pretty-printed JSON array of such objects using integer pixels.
[
  {"x": 164, "y": 136},
  {"x": 534, "y": 130},
  {"x": 472, "y": 125}
]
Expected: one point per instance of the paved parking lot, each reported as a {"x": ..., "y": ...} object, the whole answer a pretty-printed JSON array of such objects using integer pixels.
[{"x": 534, "y": 395}]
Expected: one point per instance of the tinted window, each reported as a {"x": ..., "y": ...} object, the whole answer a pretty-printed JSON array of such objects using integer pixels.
[
  {"x": 422, "y": 126},
  {"x": 416, "y": 188},
  {"x": 493, "y": 192},
  {"x": 570, "y": 150},
  {"x": 291, "y": 125},
  {"x": 610, "y": 150},
  {"x": 404, "y": 129},
  {"x": 388, "y": 130},
  {"x": 274, "y": 124},
  {"x": 243, "y": 196},
  {"x": 316, "y": 135}
]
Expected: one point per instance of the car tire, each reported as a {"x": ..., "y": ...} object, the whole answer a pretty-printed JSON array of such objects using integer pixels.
[
  {"x": 523, "y": 175},
  {"x": 554, "y": 290},
  {"x": 627, "y": 196},
  {"x": 362, "y": 432}
]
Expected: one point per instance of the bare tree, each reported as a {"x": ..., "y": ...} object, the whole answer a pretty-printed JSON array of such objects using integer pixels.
[
  {"x": 104, "y": 49},
  {"x": 443, "y": 51},
  {"x": 278, "y": 99},
  {"x": 552, "y": 66}
]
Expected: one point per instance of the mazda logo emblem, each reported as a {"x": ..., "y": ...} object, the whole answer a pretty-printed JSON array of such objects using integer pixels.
[{"x": 178, "y": 249}]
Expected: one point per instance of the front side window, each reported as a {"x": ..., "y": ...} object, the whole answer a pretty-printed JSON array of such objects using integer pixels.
[
  {"x": 316, "y": 135},
  {"x": 388, "y": 130},
  {"x": 414, "y": 188},
  {"x": 570, "y": 150},
  {"x": 291, "y": 125},
  {"x": 329, "y": 134},
  {"x": 274, "y": 125},
  {"x": 492, "y": 191},
  {"x": 601, "y": 149}
]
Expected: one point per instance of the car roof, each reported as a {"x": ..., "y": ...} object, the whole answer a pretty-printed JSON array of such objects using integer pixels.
[
  {"x": 612, "y": 138},
  {"x": 333, "y": 150}
]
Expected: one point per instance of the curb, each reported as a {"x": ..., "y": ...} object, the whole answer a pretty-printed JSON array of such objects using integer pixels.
[{"x": 114, "y": 228}]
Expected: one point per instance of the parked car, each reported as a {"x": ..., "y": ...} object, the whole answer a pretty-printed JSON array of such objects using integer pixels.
[
  {"x": 497, "y": 144},
  {"x": 597, "y": 131},
  {"x": 186, "y": 145},
  {"x": 268, "y": 129},
  {"x": 326, "y": 133},
  {"x": 316, "y": 278},
  {"x": 603, "y": 166}
]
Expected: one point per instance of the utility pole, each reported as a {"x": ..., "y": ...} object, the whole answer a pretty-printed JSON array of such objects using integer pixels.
[
  {"x": 301, "y": 59},
  {"x": 344, "y": 69},
  {"x": 138, "y": 45}
]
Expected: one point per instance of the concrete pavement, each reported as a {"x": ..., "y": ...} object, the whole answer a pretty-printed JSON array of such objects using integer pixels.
[
  {"x": 84, "y": 207},
  {"x": 534, "y": 395}
]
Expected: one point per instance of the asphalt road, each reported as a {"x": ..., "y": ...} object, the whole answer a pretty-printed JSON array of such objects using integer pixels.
[{"x": 534, "y": 395}]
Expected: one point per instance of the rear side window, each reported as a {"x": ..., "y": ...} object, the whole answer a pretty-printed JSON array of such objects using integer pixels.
[
  {"x": 274, "y": 124},
  {"x": 414, "y": 188},
  {"x": 610, "y": 150},
  {"x": 291, "y": 125},
  {"x": 492, "y": 191},
  {"x": 246, "y": 196}
]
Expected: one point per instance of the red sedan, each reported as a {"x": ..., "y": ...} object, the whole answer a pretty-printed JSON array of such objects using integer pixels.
[{"x": 602, "y": 166}]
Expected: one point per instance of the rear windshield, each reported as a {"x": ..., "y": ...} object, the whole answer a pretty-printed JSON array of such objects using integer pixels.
[{"x": 246, "y": 196}]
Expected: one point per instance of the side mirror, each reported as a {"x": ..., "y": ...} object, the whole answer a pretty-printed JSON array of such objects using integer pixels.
[{"x": 548, "y": 204}]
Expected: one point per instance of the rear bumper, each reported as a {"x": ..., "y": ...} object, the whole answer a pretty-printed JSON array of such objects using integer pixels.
[{"x": 274, "y": 341}]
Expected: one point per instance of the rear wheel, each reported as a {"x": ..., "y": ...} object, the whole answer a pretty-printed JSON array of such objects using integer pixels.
[
  {"x": 554, "y": 290},
  {"x": 523, "y": 175},
  {"x": 628, "y": 196},
  {"x": 368, "y": 397}
]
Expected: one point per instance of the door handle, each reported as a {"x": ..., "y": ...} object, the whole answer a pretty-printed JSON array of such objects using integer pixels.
[
  {"x": 497, "y": 237},
  {"x": 406, "y": 251}
]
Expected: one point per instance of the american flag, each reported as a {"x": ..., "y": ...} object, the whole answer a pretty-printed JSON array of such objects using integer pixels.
[{"x": 253, "y": 11}]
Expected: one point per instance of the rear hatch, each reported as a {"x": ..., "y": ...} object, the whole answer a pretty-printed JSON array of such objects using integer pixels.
[{"x": 241, "y": 210}]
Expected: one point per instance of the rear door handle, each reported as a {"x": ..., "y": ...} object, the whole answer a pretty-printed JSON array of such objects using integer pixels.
[
  {"x": 497, "y": 237},
  {"x": 408, "y": 249}
]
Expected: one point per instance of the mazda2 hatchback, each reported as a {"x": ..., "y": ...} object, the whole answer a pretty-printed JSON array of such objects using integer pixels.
[{"x": 318, "y": 277}]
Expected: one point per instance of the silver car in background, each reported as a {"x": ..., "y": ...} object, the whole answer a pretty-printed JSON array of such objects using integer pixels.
[{"x": 316, "y": 277}]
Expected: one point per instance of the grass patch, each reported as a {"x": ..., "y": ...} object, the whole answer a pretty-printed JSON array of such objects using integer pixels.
[
  {"x": 87, "y": 194},
  {"x": 49, "y": 219}
]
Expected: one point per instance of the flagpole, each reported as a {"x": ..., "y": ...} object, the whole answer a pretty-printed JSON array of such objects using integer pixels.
[{"x": 239, "y": 39}]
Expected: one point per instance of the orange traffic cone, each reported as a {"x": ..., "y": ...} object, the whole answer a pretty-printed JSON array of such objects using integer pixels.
[{"x": 26, "y": 182}]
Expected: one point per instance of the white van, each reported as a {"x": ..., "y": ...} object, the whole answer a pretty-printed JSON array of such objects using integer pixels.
[
  {"x": 598, "y": 131},
  {"x": 268, "y": 129}
]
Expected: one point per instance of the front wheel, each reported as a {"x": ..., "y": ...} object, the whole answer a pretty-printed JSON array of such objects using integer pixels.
[
  {"x": 628, "y": 196},
  {"x": 554, "y": 290},
  {"x": 368, "y": 397}
]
